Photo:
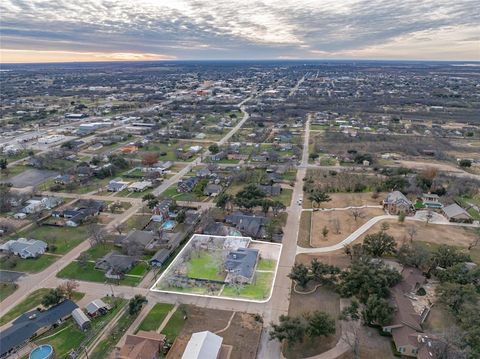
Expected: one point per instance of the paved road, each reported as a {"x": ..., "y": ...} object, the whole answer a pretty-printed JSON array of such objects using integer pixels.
[{"x": 282, "y": 287}]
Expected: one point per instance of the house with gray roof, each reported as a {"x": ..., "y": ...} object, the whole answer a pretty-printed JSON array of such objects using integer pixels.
[
  {"x": 32, "y": 324},
  {"x": 241, "y": 264},
  {"x": 115, "y": 264},
  {"x": 248, "y": 225},
  {"x": 396, "y": 202},
  {"x": 25, "y": 248},
  {"x": 455, "y": 213}
]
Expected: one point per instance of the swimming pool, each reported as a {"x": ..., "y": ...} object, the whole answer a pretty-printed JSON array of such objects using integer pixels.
[
  {"x": 44, "y": 351},
  {"x": 169, "y": 225}
]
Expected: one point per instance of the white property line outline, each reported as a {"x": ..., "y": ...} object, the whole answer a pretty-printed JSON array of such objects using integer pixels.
[{"x": 153, "y": 289}]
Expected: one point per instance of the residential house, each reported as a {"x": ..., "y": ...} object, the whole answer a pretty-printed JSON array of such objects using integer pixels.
[
  {"x": 31, "y": 324},
  {"x": 218, "y": 156},
  {"x": 64, "y": 179},
  {"x": 159, "y": 258},
  {"x": 406, "y": 324},
  {"x": 25, "y": 248},
  {"x": 241, "y": 264},
  {"x": 204, "y": 173},
  {"x": 455, "y": 213},
  {"x": 431, "y": 200},
  {"x": 140, "y": 238},
  {"x": 142, "y": 345},
  {"x": 115, "y": 264},
  {"x": 396, "y": 202},
  {"x": 212, "y": 189},
  {"x": 271, "y": 191},
  {"x": 248, "y": 225},
  {"x": 140, "y": 186},
  {"x": 117, "y": 185},
  {"x": 187, "y": 185}
]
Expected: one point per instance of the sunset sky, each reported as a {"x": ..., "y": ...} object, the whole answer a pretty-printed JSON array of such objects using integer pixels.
[{"x": 109, "y": 30}]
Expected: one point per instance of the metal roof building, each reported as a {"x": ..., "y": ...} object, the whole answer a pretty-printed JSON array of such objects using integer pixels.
[
  {"x": 81, "y": 319},
  {"x": 203, "y": 345}
]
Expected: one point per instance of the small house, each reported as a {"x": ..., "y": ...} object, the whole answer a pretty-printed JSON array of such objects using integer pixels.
[{"x": 455, "y": 213}]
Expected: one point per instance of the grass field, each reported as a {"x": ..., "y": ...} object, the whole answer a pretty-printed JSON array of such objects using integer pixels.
[
  {"x": 175, "y": 324},
  {"x": 266, "y": 264},
  {"x": 285, "y": 196},
  {"x": 64, "y": 238},
  {"x": 90, "y": 274},
  {"x": 136, "y": 222},
  {"x": 31, "y": 265},
  {"x": 204, "y": 267},
  {"x": 6, "y": 289},
  {"x": 260, "y": 289},
  {"x": 155, "y": 317},
  {"x": 29, "y": 303}
]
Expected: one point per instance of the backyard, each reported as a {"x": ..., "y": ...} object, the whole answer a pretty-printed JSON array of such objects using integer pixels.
[{"x": 155, "y": 317}]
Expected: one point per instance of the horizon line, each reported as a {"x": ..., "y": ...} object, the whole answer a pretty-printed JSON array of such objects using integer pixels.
[{"x": 239, "y": 60}]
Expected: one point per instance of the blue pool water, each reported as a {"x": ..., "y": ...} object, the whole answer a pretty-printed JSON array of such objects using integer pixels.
[
  {"x": 44, "y": 351},
  {"x": 168, "y": 225}
]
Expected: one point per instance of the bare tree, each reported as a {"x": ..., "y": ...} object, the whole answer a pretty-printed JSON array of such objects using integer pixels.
[
  {"x": 68, "y": 288},
  {"x": 120, "y": 227},
  {"x": 96, "y": 234},
  {"x": 336, "y": 225},
  {"x": 412, "y": 231},
  {"x": 351, "y": 336},
  {"x": 356, "y": 214}
]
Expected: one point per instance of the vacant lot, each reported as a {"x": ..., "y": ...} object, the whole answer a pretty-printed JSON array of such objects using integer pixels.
[
  {"x": 341, "y": 200},
  {"x": 30, "y": 265},
  {"x": 339, "y": 224},
  {"x": 324, "y": 300},
  {"x": 243, "y": 333},
  {"x": 6, "y": 289},
  {"x": 31, "y": 177},
  {"x": 432, "y": 233}
]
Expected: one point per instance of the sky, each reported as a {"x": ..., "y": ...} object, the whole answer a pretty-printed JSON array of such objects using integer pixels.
[{"x": 114, "y": 30}]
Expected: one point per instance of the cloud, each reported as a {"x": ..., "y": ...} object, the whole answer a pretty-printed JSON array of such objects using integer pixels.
[{"x": 193, "y": 29}]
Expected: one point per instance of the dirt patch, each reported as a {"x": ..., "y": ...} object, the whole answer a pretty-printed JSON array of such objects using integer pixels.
[
  {"x": 339, "y": 224},
  {"x": 243, "y": 334},
  {"x": 337, "y": 258},
  {"x": 304, "y": 229},
  {"x": 340, "y": 200},
  {"x": 431, "y": 233},
  {"x": 322, "y": 299}
]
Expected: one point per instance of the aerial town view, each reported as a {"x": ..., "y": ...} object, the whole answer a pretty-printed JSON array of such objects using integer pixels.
[{"x": 244, "y": 179}]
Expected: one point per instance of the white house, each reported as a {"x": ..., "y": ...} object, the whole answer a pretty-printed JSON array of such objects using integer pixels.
[{"x": 24, "y": 248}]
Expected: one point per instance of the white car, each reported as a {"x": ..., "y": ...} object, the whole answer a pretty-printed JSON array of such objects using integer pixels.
[{"x": 300, "y": 201}]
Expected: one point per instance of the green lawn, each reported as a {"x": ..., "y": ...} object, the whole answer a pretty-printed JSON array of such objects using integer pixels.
[
  {"x": 136, "y": 222},
  {"x": 31, "y": 265},
  {"x": 140, "y": 269},
  {"x": 155, "y": 317},
  {"x": 172, "y": 193},
  {"x": 267, "y": 264},
  {"x": 285, "y": 196},
  {"x": 64, "y": 238},
  {"x": 6, "y": 289},
  {"x": 175, "y": 324},
  {"x": 31, "y": 302},
  {"x": 90, "y": 274},
  {"x": 204, "y": 267},
  {"x": 260, "y": 289}
]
